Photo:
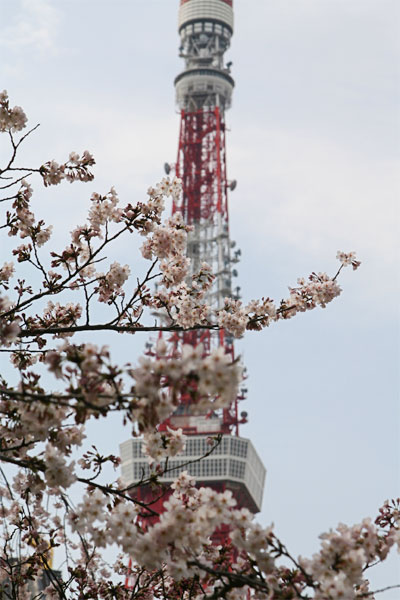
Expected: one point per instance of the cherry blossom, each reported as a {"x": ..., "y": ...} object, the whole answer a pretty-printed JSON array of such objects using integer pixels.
[
  {"x": 63, "y": 382},
  {"x": 12, "y": 119},
  {"x": 75, "y": 169},
  {"x": 160, "y": 445},
  {"x": 110, "y": 284},
  {"x": 6, "y": 272},
  {"x": 348, "y": 259}
]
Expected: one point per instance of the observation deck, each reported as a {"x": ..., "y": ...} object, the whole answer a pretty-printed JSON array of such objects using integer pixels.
[{"x": 234, "y": 464}]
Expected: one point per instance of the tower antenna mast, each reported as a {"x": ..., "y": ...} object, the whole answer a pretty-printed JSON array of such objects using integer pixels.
[{"x": 203, "y": 94}]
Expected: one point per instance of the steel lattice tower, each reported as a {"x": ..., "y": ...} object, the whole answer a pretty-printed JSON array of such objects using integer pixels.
[{"x": 203, "y": 94}]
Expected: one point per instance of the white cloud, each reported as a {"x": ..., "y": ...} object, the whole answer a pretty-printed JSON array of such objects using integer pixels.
[
  {"x": 129, "y": 144},
  {"x": 312, "y": 194},
  {"x": 35, "y": 27}
]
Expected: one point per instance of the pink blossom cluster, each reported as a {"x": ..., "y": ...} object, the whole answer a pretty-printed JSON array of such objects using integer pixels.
[
  {"x": 6, "y": 272},
  {"x": 58, "y": 473},
  {"x": 233, "y": 317},
  {"x": 168, "y": 244},
  {"x": 64, "y": 315},
  {"x": 176, "y": 551},
  {"x": 149, "y": 212},
  {"x": 110, "y": 284},
  {"x": 24, "y": 218},
  {"x": 318, "y": 290},
  {"x": 38, "y": 421},
  {"x": 105, "y": 527},
  {"x": 9, "y": 326},
  {"x": 340, "y": 564},
  {"x": 189, "y": 518},
  {"x": 161, "y": 382},
  {"x": 180, "y": 543},
  {"x": 88, "y": 371},
  {"x": 103, "y": 209},
  {"x": 348, "y": 258},
  {"x": 167, "y": 240},
  {"x": 22, "y": 221},
  {"x": 76, "y": 168},
  {"x": 11, "y": 119},
  {"x": 159, "y": 445},
  {"x": 169, "y": 187},
  {"x": 184, "y": 303}
]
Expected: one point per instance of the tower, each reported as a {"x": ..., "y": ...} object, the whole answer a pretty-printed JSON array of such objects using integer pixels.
[{"x": 203, "y": 94}]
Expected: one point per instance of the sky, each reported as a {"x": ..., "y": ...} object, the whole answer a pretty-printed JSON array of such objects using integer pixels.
[{"x": 313, "y": 141}]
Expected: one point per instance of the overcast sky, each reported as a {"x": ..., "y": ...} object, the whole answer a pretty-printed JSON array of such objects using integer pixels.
[{"x": 314, "y": 145}]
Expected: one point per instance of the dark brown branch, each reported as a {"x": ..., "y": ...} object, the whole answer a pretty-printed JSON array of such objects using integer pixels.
[
  {"x": 385, "y": 589},
  {"x": 35, "y": 463},
  {"x": 62, "y": 285},
  {"x": 109, "y": 490},
  {"x": 106, "y": 327},
  {"x": 3, "y": 187}
]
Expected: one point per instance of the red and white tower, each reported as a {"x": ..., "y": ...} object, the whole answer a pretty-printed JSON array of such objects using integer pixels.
[{"x": 203, "y": 94}]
